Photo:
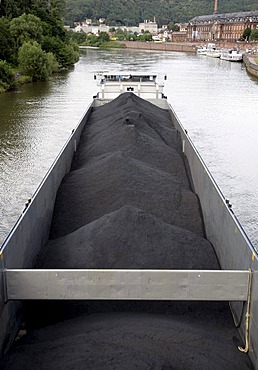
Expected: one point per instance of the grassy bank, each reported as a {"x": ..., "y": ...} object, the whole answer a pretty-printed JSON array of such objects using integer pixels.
[{"x": 107, "y": 44}]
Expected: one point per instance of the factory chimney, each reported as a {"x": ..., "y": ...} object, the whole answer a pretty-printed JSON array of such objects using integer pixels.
[{"x": 215, "y": 7}]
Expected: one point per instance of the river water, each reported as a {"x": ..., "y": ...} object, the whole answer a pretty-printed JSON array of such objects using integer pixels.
[{"x": 215, "y": 100}]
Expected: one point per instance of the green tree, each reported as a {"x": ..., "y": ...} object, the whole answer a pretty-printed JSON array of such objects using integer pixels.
[
  {"x": 52, "y": 26},
  {"x": 78, "y": 37},
  {"x": 26, "y": 27},
  {"x": 12, "y": 8},
  {"x": 56, "y": 7},
  {"x": 119, "y": 31},
  {"x": 7, "y": 42},
  {"x": 145, "y": 37},
  {"x": 7, "y": 79},
  {"x": 92, "y": 40},
  {"x": 254, "y": 35},
  {"x": 51, "y": 44},
  {"x": 173, "y": 27},
  {"x": 68, "y": 54},
  {"x": 247, "y": 33},
  {"x": 103, "y": 37},
  {"x": 120, "y": 34},
  {"x": 35, "y": 62}
]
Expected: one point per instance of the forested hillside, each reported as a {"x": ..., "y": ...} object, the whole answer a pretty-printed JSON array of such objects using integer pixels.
[{"x": 131, "y": 12}]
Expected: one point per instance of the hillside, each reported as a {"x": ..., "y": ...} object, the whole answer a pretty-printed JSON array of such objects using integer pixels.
[{"x": 131, "y": 12}]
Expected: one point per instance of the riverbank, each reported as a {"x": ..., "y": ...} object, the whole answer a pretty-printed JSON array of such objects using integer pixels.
[
  {"x": 164, "y": 46},
  {"x": 187, "y": 47},
  {"x": 250, "y": 50},
  {"x": 251, "y": 64}
]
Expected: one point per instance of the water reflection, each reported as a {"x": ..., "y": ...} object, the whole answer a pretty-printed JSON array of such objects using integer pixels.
[{"x": 215, "y": 100}]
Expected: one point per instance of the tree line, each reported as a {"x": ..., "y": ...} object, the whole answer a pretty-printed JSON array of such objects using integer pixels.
[
  {"x": 105, "y": 40},
  {"x": 33, "y": 41}
]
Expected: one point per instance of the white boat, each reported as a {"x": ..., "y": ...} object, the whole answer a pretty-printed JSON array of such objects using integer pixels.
[
  {"x": 213, "y": 51},
  {"x": 201, "y": 50},
  {"x": 121, "y": 128},
  {"x": 231, "y": 55}
]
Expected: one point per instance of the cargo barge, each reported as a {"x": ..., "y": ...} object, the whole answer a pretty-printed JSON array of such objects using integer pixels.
[{"x": 128, "y": 254}]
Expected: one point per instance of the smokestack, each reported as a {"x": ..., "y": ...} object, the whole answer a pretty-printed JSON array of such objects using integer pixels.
[{"x": 215, "y": 7}]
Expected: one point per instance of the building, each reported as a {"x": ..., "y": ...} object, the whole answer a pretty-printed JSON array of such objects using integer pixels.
[
  {"x": 182, "y": 27},
  {"x": 179, "y": 36},
  {"x": 221, "y": 27},
  {"x": 150, "y": 26},
  {"x": 129, "y": 29}
]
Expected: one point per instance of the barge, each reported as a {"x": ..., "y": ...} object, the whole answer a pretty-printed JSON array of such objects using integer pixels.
[{"x": 128, "y": 256}]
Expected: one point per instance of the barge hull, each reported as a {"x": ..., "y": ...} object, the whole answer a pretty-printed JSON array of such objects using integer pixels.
[{"x": 233, "y": 248}]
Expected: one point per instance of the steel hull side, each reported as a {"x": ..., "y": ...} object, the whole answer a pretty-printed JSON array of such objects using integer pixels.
[
  {"x": 31, "y": 232},
  {"x": 232, "y": 246}
]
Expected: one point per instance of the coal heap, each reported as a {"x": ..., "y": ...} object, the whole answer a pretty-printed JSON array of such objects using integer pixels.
[{"x": 128, "y": 203}]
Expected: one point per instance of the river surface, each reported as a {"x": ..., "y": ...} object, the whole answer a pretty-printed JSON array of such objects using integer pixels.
[{"x": 215, "y": 100}]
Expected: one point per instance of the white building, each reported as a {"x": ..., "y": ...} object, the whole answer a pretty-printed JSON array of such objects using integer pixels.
[
  {"x": 150, "y": 26},
  {"x": 131, "y": 29},
  {"x": 92, "y": 29}
]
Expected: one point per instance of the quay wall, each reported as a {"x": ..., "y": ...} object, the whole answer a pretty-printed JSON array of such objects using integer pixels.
[
  {"x": 250, "y": 50},
  {"x": 186, "y": 47},
  {"x": 251, "y": 65},
  {"x": 163, "y": 46}
]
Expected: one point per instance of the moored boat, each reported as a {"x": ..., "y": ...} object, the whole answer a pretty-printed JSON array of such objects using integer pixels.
[
  {"x": 213, "y": 51},
  {"x": 137, "y": 218},
  {"x": 231, "y": 55},
  {"x": 201, "y": 50}
]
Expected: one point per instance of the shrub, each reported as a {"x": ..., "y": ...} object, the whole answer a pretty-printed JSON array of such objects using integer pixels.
[
  {"x": 112, "y": 44},
  {"x": 78, "y": 37},
  {"x": 7, "y": 79},
  {"x": 35, "y": 62},
  {"x": 254, "y": 35},
  {"x": 247, "y": 33},
  {"x": 53, "y": 63},
  {"x": 68, "y": 54},
  {"x": 104, "y": 37},
  {"x": 65, "y": 54}
]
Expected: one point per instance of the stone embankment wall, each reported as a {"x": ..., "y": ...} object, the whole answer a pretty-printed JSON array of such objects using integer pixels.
[
  {"x": 186, "y": 47},
  {"x": 251, "y": 65},
  {"x": 163, "y": 46},
  {"x": 250, "y": 50}
]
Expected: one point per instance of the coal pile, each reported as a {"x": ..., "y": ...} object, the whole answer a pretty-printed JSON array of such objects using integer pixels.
[
  {"x": 112, "y": 169},
  {"x": 128, "y": 203}
]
